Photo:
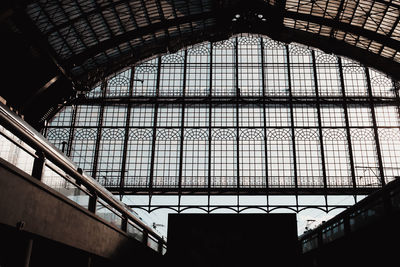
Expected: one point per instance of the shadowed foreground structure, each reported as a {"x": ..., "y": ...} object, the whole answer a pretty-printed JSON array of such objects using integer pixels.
[{"x": 232, "y": 240}]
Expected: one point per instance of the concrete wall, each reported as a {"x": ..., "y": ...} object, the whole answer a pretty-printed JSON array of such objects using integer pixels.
[{"x": 41, "y": 212}]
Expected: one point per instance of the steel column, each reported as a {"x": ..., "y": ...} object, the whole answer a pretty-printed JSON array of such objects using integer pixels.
[
  {"x": 292, "y": 122},
  {"x": 153, "y": 144},
  {"x": 99, "y": 130},
  {"x": 321, "y": 139},
  {"x": 264, "y": 121},
  {"x": 348, "y": 132}
]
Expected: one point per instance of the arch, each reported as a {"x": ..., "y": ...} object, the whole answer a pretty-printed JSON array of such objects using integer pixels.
[
  {"x": 253, "y": 208},
  {"x": 57, "y": 134},
  {"x": 286, "y": 22},
  {"x": 182, "y": 210},
  {"x": 310, "y": 208},
  {"x": 283, "y": 208},
  {"x": 214, "y": 209},
  {"x": 159, "y": 208},
  {"x": 336, "y": 208}
]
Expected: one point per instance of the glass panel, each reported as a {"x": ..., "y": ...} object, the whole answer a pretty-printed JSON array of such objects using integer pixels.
[
  {"x": 138, "y": 161},
  {"x": 171, "y": 77},
  {"x": 365, "y": 157},
  {"x": 13, "y": 153},
  {"x": 166, "y": 159},
  {"x": 389, "y": 144},
  {"x": 134, "y": 231},
  {"x": 337, "y": 158},
  {"x": 106, "y": 212},
  {"x": 252, "y": 158},
  {"x": 224, "y": 68},
  {"x": 250, "y": 76},
  {"x": 275, "y": 68},
  {"x": 83, "y": 148},
  {"x": 54, "y": 177},
  {"x": 381, "y": 85},
  {"x": 114, "y": 116},
  {"x": 328, "y": 74},
  {"x": 308, "y": 156},
  {"x": 110, "y": 157},
  {"x": 223, "y": 158},
  {"x": 118, "y": 86},
  {"x": 355, "y": 82},
  {"x": 195, "y": 158},
  {"x": 169, "y": 116},
  {"x": 62, "y": 118},
  {"x": 145, "y": 79},
  {"x": 251, "y": 116},
  {"x": 301, "y": 71},
  {"x": 198, "y": 70}
]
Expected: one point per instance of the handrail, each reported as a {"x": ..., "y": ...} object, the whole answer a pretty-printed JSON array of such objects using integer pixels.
[{"x": 35, "y": 140}]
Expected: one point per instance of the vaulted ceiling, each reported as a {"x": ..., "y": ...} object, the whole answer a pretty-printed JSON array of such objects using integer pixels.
[{"x": 52, "y": 48}]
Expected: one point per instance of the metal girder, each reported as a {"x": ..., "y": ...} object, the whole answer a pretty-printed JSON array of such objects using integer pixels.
[
  {"x": 346, "y": 27},
  {"x": 287, "y": 35},
  {"x": 242, "y": 191},
  {"x": 130, "y": 35},
  {"x": 233, "y": 100},
  {"x": 224, "y": 21}
]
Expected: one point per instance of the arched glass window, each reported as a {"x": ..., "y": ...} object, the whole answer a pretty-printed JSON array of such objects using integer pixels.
[{"x": 247, "y": 115}]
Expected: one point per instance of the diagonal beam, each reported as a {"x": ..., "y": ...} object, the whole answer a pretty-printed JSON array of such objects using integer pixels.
[
  {"x": 374, "y": 36},
  {"x": 137, "y": 33},
  {"x": 130, "y": 35}
]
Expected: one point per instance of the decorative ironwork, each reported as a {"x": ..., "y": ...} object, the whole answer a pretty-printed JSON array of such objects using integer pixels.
[
  {"x": 199, "y": 50},
  {"x": 353, "y": 68},
  {"x": 196, "y": 134},
  {"x": 272, "y": 44},
  {"x": 381, "y": 81},
  {"x": 307, "y": 134},
  {"x": 251, "y": 134},
  {"x": 140, "y": 134},
  {"x": 299, "y": 50},
  {"x": 249, "y": 40},
  {"x": 223, "y": 134},
  {"x": 85, "y": 134},
  {"x": 146, "y": 68},
  {"x": 173, "y": 58},
  {"x": 362, "y": 134},
  {"x": 334, "y": 134},
  {"x": 57, "y": 134},
  {"x": 224, "y": 44},
  {"x": 279, "y": 134},
  {"x": 168, "y": 134},
  {"x": 113, "y": 134},
  {"x": 326, "y": 58},
  {"x": 389, "y": 134}
]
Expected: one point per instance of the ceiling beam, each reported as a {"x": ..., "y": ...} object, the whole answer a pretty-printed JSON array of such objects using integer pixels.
[
  {"x": 345, "y": 27},
  {"x": 130, "y": 35}
]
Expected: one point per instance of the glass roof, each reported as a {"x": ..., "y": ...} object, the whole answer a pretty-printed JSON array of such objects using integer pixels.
[{"x": 92, "y": 39}]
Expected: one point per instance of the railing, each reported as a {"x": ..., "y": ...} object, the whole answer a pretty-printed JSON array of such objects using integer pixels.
[
  {"x": 384, "y": 202},
  {"x": 28, "y": 150}
]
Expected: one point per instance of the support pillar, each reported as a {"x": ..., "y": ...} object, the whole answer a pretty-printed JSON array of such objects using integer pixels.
[{"x": 28, "y": 252}]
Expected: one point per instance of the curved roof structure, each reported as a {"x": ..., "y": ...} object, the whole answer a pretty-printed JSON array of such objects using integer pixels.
[{"x": 83, "y": 42}]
